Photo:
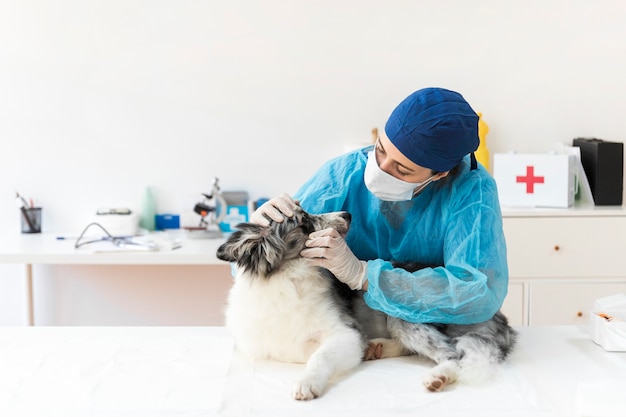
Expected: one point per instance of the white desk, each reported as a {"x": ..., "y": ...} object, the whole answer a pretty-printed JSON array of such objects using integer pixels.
[
  {"x": 46, "y": 249},
  {"x": 193, "y": 371}
]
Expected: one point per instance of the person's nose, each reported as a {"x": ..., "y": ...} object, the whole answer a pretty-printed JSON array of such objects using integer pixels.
[{"x": 385, "y": 164}]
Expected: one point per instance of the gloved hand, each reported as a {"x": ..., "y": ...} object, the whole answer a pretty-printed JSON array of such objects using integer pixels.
[
  {"x": 326, "y": 248},
  {"x": 276, "y": 209}
]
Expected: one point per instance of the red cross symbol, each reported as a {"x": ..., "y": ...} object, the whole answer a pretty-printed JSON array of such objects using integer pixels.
[{"x": 530, "y": 179}]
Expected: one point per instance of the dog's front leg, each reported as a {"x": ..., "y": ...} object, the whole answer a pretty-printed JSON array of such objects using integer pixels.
[{"x": 337, "y": 353}]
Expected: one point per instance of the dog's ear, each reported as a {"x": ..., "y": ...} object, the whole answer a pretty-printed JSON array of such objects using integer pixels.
[
  {"x": 253, "y": 247},
  {"x": 243, "y": 240},
  {"x": 228, "y": 251}
]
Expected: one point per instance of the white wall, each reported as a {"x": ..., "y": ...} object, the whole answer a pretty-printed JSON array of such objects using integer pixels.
[{"x": 101, "y": 98}]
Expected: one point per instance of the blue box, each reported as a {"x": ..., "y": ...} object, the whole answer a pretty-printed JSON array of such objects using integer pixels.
[{"x": 166, "y": 221}]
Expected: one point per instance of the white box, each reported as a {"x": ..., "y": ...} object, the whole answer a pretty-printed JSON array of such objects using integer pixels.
[
  {"x": 535, "y": 180},
  {"x": 609, "y": 333},
  {"x": 117, "y": 224}
]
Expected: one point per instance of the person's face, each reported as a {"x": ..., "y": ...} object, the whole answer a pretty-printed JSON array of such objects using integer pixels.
[{"x": 394, "y": 163}]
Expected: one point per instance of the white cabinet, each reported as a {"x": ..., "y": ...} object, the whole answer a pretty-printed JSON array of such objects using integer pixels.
[{"x": 561, "y": 261}]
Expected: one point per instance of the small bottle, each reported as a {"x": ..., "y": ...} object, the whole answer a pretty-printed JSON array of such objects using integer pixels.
[
  {"x": 148, "y": 211},
  {"x": 482, "y": 153}
]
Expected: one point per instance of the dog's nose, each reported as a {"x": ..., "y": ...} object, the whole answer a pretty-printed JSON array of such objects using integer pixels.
[{"x": 346, "y": 216}]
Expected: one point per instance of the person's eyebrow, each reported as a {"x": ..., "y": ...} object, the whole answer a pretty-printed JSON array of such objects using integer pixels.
[{"x": 410, "y": 170}]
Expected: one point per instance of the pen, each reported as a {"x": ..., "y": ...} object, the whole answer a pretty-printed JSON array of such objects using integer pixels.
[
  {"x": 21, "y": 201},
  {"x": 27, "y": 218}
]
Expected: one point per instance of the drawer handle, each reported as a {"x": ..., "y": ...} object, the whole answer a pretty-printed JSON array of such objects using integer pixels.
[
  {"x": 579, "y": 314},
  {"x": 557, "y": 248}
]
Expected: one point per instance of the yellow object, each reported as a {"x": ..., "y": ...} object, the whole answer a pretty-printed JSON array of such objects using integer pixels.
[
  {"x": 482, "y": 153},
  {"x": 374, "y": 134}
]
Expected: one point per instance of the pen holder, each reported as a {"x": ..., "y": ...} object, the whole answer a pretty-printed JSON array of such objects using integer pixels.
[{"x": 31, "y": 220}]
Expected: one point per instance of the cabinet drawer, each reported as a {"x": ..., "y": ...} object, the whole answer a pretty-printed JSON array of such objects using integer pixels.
[
  {"x": 566, "y": 246},
  {"x": 513, "y": 306},
  {"x": 567, "y": 303}
]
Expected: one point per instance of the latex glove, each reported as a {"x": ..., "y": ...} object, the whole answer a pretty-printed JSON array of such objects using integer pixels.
[
  {"x": 328, "y": 249},
  {"x": 275, "y": 209}
]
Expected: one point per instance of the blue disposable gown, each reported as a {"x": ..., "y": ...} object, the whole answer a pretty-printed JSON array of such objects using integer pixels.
[{"x": 455, "y": 222}]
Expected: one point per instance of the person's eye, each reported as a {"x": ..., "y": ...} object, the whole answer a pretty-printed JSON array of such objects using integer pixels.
[
  {"x": 380, "y": 150},
  {"x": 403, "y": 173}
]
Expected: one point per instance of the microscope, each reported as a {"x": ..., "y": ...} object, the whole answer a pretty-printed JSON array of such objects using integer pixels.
[{"x": 212, "y": 210}]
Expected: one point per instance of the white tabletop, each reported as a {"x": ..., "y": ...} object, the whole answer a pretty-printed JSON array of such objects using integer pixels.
[
  {"x": 45, "y": 248},
  {"x": 194, "y": 371},
  {"x": 112, "y": 371}
]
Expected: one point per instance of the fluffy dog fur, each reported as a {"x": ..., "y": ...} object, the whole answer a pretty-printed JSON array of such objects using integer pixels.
[{"x": 280, "y": 307}]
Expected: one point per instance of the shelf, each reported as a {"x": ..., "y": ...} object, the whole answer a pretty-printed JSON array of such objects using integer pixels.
[{"x": 575, "y": 211}]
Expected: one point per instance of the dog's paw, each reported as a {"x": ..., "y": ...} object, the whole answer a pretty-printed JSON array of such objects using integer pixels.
[
  {"x": 306, "y": 390},
  {"x": 442, "y": 375},
  {"x": 373, "y": 351},
  {"x": 381, "y": 348},
  {"x": 435, "y": 383}
]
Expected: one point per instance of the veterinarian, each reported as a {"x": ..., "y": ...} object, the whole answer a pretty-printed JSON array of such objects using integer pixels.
[{"x": 417, "y": 195}]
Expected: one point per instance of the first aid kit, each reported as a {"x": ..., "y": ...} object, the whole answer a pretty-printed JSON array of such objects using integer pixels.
[{"x": 535, "y": 180}]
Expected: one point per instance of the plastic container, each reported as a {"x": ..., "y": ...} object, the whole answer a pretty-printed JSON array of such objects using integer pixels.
[{"x": 608, "y": 323}]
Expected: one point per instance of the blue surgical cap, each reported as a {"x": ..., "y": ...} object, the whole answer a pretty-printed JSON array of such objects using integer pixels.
[{"x": 435, "y": 128}]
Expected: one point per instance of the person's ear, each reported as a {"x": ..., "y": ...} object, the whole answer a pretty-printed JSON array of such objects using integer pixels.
[{"x": 440, "y": 175}]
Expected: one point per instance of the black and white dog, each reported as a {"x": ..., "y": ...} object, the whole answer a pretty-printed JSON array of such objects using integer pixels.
[{"x": 281, "y": 307}]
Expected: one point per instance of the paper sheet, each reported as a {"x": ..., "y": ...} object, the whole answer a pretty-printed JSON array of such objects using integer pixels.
[
  {"x": 376, "y": 388},
  {"x": 583, "y": 194},
  {"x": 601, "y": 398}
]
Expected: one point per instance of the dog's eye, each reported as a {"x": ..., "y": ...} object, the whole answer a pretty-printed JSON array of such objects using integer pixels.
[{"x": 307, "y": 224}]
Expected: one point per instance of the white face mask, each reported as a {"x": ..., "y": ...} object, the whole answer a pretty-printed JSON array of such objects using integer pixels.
[{"x": 387, "y": 187}]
